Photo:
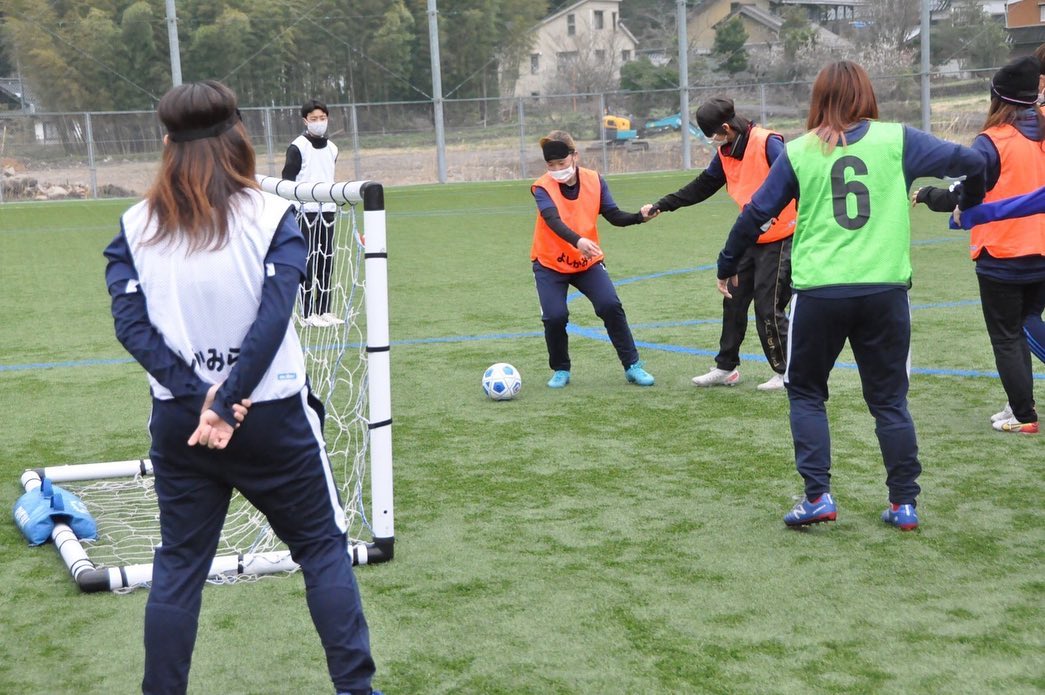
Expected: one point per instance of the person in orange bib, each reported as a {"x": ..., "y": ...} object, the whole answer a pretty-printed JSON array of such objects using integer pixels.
[
  {"x": 566, "y": 252},
  {"x": 1009, "y": 253},
  {"x": 745, "y": 153}
]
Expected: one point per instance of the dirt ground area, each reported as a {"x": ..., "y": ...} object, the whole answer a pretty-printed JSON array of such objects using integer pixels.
[{"x": 392, "y": 166}]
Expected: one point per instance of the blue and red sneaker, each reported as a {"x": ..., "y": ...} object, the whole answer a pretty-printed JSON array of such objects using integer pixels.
[
  {"x": 812, "y": 512},
  {"x": 902, "y": 516}
]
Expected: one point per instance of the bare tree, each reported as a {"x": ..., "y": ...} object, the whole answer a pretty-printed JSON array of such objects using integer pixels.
[{"x": 888, "y": 22}]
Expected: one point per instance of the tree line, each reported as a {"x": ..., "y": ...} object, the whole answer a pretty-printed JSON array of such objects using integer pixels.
[{"x": 100, "y": 55}]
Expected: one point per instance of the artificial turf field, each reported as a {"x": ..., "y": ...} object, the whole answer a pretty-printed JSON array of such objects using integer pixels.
[{"x": 600, "y": 539}]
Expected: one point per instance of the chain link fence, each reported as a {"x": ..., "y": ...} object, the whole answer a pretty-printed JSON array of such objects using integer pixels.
[{"x": 115, "y": 154}]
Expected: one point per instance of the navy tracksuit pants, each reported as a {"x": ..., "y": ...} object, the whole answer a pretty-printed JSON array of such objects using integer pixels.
[
  {"x": 878, "y": 328},
  {"x": 277, "y": 460},
  {"x": 595, "y": 284}
]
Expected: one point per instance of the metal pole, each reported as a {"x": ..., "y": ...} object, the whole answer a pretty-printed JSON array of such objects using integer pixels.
[
  {"x": 764, "y": 122},
  {"x": 925, "y": 31},
  {"x": 680, "y": 19},
  {"x": 522, "y": 137},
  {"x": 90, "y": 155},
  {"x": 602, "y": 134},
  {"x": 437, "y": 90},
  {"x": 172, "y": 39},
  {"x": 269, "y": 141},
  {"x": 355, "y": 144}
]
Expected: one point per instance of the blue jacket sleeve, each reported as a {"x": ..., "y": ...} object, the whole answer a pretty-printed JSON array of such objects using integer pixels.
[
  {"x": 779, "y": 189},
  {"x": 1032, "y": 203},
  {"x": 135, "y": 331},
  {"x": 927, "y": 155},
  {"x": 284, "y": 269}
]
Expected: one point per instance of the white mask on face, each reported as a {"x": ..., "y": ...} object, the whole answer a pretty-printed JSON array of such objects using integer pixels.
[
  {"x": 718, "y": 140},
  {"x": 563, "y": 175},
  {"x": 316, "y": 128}
]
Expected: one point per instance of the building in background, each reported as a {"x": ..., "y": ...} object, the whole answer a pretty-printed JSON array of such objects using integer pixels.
[
  {"x": 1025, "y": 22},
  {"x": 762, "y": 20},
  {"x": 578, "y": 49}
]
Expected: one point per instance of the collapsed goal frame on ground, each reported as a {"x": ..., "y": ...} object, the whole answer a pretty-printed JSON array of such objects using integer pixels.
[{"x": 347, "y": 361}]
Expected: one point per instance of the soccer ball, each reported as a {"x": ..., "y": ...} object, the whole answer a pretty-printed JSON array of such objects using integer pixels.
[{"x": 502, "y": 382}]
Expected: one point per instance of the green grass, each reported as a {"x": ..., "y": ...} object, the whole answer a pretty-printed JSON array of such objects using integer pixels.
[{"x": 601, "y": 539}]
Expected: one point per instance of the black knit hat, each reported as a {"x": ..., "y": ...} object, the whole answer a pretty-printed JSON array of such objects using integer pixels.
[
  {"x": 1017, "y": 82},
  {"x": 713, "y": 113}
]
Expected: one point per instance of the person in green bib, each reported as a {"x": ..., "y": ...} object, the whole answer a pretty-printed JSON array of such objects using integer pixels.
[{"x": 851, "y": 272}]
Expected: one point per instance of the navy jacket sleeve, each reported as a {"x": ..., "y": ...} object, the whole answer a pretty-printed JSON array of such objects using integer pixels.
[
  {"x": 613, "y": 214},
  {"x": 135, "y": 331},
  {"x": 928, "y": 155},
  {"x": 550, "y": 214},
  {"x": 285, "y": 268},
  {"x": 1032, "y": 203},
  {"x": 779, "y": 189}
]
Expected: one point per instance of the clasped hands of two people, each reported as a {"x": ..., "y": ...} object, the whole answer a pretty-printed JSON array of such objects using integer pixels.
[
  {"x": 213, "y": 432},
  {"x": 590, "y": 249}
]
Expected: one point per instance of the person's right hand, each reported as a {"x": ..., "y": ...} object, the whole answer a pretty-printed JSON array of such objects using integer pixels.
[
  {"x": 914, "y": 197},
  {"x": 647, "y": 212},
  {"x": 588, "y": 248}
]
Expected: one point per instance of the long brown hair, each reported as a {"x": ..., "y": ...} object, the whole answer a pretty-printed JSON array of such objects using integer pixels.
[
  {"x": 842, "y": 95},
  {"x": 207, "y": 159},
  {"x": 1002, "y": 112}
]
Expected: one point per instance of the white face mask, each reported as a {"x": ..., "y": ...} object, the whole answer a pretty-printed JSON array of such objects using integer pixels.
[
  {"x": 718, "y": 140},
  {"x": 563, "y": 175},
  {"x": 316, "y": 128}
]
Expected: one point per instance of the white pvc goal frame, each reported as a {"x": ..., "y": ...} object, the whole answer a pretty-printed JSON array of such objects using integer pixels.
[{"x": 91, "y": 577}]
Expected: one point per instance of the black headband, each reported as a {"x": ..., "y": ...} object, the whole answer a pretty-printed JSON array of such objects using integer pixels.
[
  {"x": 555, "y": 149},
  {"x": 212, "y": 131}
]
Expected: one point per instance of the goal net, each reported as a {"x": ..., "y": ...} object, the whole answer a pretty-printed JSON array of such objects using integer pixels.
[{"x": 342, "y": 319}]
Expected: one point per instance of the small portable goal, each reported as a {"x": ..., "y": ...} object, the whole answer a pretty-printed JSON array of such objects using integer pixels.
[{"x": 347, "y": 360}]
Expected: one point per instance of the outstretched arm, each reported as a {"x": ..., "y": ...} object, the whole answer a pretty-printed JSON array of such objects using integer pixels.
[{"x": 1032, "y": 203}]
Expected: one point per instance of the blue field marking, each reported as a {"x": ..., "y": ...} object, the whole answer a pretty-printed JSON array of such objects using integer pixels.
[{"x": 590, "y": 332}]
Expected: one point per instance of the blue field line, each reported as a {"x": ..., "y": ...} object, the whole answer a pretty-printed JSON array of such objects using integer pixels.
[{"x": 593, "y": 333}]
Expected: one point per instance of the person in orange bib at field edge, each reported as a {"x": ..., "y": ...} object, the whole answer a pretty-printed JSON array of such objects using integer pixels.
[{"x": 566, "y": 252}]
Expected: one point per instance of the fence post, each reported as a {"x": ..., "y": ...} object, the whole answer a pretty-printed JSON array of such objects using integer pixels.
[
  {"x": 762, "y": 105},
  {"x": 268, "y": 140},
  {"x": 602, "y": 134},
  {"x": 522, "y": 136},
  {"x": 90, "y": 155},
  {"x": 355, "y": 143}
]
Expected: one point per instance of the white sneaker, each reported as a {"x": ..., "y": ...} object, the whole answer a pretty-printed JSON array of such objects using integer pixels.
[
  {"x": 775, "y": 383},
  {"x": 717, "y": 377},
  {"x": 316, "y": 321},
  {"x": 1003, "y": 415},
  {"x": 332, "y": 320}
]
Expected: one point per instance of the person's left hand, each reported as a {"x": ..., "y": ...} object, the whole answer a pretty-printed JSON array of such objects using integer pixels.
[
  {"x": 724, "y": 283},
  {"x": 212, "y": 432},
  {"x": 957, "y": 216}
]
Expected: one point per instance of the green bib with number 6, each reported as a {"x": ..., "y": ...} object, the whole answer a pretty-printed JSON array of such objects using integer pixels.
[{"x": 853, "y": 223}]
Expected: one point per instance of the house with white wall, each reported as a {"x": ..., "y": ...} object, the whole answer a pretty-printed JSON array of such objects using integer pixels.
[{"x": 578, "y": 49}]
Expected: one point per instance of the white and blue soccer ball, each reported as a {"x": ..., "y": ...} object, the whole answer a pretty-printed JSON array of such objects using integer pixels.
[{"x": 502, "y": 382}]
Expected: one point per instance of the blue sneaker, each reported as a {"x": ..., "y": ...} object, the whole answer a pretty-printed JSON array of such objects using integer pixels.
[
  {"x": 902, "y": 516},
  {"x": 806, "y": 512},
  {"x": 635, "y": 374},
  {"x": 559, "y": 379}
]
